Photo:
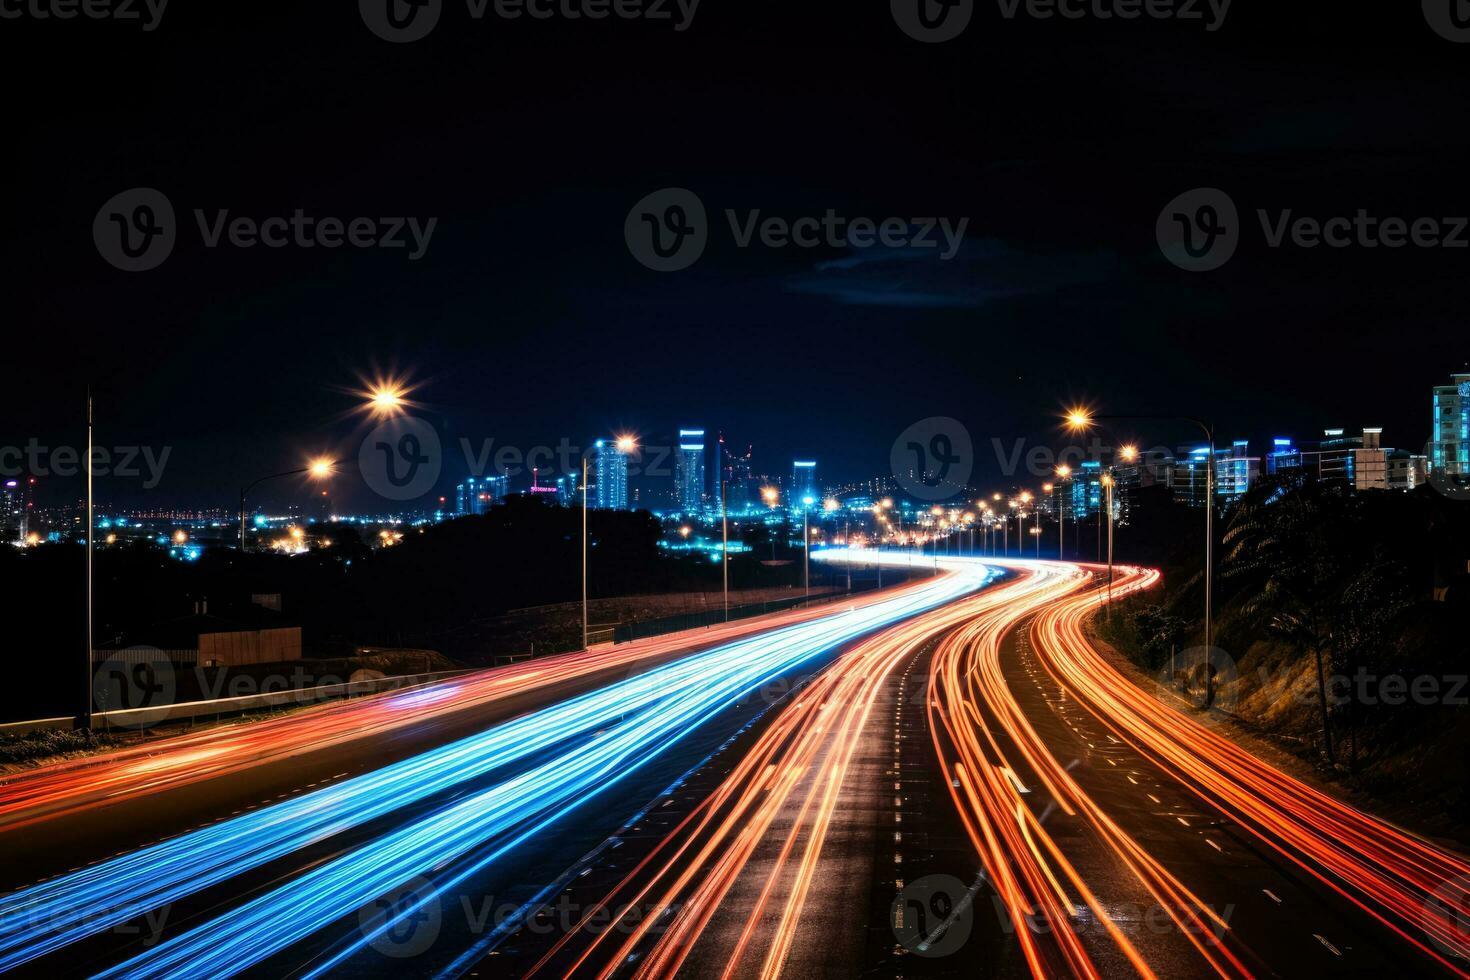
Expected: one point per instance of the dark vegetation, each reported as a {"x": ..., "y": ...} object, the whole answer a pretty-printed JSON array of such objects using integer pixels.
[
  {"x": 465, "y": 589},
  {"x": 1346, "y": 618}
]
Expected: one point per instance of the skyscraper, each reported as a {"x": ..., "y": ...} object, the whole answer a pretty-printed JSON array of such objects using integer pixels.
[
  {"x": 803, "y": 483},
  {"x": 612, "y": 475},
  {"x": 12, "y": 512},
  {"x": 689, "y": 474},
  {"x": 1449, "y": 450}
]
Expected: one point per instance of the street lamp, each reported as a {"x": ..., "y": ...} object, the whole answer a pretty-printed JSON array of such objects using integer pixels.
[
  {"x": 806, "y": 545},
  {"x": 1026, "y": 499},
  {"x": 625, "y": 444},
  {"x": 1107, "y": 482},
  {"x": 387, "y": 399},
  {"x": 1064, "y": 472},
  {"x": 1079, "y": 419},
  {"x": 771, "y": 497},
  {"x": 317, "y": 469}
]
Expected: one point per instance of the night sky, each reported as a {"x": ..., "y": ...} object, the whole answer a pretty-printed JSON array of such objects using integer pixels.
[{"x": 527, "y": 320}]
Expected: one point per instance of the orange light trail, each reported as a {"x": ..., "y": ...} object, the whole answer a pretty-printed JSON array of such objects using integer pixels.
[
  {"x": 156, "y": 766},
  {"x": 798, "y": 764},
  {"x": 1393, "y": 876}
]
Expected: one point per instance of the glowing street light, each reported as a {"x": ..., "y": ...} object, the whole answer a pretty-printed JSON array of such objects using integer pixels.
[
  {"x": 806, "y": 544},
  {"x": 1079, "y": 419},
  {"x": 1129, "y": 453},
  {"x": 1064, "y": 472},
  {"x": 1088, "y": 420},
  {"x": 318, "y": 469},
  {"x": 387, "y": 399}
]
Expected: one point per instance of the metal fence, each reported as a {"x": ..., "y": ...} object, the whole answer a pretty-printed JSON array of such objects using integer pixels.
[{"x": 145, "y": 655}]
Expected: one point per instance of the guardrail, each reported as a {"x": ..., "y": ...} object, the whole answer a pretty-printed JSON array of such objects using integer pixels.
[{"x": 136, "y": 718}]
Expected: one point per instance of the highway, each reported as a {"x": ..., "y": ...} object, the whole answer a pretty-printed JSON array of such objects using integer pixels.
[
  {"x": 274, "y": 878},
  {"x": 939, "y": 780},
  {"x": 747, "y": 867}
]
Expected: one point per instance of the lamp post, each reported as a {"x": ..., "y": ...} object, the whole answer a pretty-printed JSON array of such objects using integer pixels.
[
  {"x": 1079, "y": 419},
  {"x": 318, "y": 469},
  {"x": 725, "y": 546},
  {"x": 86, "y": 716},
  {"x": 1107, "y": 482},
  {"x": 1064, "y": 472},
  {"x": 584, "y": 551},
  {"x": 806, "y": 546},
  {"x": 1026, "y": 499}
]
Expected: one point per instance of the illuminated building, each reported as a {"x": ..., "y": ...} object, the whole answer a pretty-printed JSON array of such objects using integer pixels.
[
  {"x": 1086, "y": 490},
  {"x": 1235, "y": 470},
  {"x": 1406, "y": 471},
  {"x": 689, "y": 475},
  {"x": 1449, "y": 448},
  {"x": 1370, "y": 463},
  {"x": 1189, "y": 478},
  {"x": 12, "y": 512},
  {"x": 1285, "y": 458},
  {"x": 803, "y": 484},
  {"x": 611, "y": 490}
]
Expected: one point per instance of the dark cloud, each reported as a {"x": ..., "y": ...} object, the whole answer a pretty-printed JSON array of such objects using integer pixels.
[{"x": 982, "y": 271}]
